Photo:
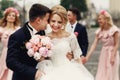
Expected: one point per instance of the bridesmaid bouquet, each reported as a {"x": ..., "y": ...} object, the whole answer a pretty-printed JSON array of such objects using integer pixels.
[{"x": 39, "y": 46}]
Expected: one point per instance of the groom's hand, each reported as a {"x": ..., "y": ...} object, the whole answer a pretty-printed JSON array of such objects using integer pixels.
[
  {"x": 84, "y": 59},
  {"x": 70, "y": 55}
]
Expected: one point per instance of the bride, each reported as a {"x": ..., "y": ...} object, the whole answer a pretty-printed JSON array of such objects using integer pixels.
[{"x": 59, "y": 67}]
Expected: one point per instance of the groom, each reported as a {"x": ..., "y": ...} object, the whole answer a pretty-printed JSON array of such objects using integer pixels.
[{"x": 23, "y": 66}]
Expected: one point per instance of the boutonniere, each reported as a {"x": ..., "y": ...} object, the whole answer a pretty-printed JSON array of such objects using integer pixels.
[{"x": 76, "y": 33}]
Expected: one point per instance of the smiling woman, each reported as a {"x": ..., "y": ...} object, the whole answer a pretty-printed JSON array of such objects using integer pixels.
[
  {"x": 108, "y": 34},
  {"x": 58, "y": 20},
  {"x": 63, "y": 43},
  {"x": 8, "y": 25}
]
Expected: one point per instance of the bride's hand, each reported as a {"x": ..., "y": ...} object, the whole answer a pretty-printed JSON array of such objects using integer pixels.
[{"x": 41, "y": 59}]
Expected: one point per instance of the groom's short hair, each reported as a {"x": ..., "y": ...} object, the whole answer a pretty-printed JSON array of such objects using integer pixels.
[
  {"x": 76, "y": 12},
  {"x": 38, "y": 10}
]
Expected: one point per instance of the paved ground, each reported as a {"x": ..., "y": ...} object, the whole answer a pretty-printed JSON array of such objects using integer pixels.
[
  {"x": 93, "y": 62},
  {"x": 91, "y": 65}
]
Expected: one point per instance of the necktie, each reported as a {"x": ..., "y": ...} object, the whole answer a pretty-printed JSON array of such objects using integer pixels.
[
  {"x": 42, "y": 32},
  {"x": 71, "y": 26}
]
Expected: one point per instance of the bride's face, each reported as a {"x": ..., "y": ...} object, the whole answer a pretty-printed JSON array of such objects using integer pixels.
[{"x": 56, "y": 23}]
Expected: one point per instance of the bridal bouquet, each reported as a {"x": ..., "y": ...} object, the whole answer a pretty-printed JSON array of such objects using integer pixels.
[{"x": 39, "y": 46}]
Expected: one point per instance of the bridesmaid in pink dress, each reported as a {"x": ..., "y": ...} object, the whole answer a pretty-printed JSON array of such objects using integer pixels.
[
  {"x": 108, "y": 33},
  {"x": 8, "y": 24}
]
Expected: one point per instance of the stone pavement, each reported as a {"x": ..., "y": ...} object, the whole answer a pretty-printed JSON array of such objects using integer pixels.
[{"x": 91, "y": 65}]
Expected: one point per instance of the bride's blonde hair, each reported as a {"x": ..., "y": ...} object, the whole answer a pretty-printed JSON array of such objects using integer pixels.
[{"x": 62, "y": 12}]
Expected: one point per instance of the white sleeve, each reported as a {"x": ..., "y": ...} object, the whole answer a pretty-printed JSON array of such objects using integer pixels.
[{"x": 75, "y": 47}]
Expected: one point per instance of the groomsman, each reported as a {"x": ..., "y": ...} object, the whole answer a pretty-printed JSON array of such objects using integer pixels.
[
  {"x": 23, "y": 66},
  {"x": 79, "y": 30}
]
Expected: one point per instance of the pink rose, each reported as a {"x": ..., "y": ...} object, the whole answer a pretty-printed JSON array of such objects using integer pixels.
[
  {"x": 30, "y": 52},
  {"x": 37, "y": 56},
  {"x": 43, "y": 51},
  {"x": 102, "y": 12},
  {"x": 28, "y": 45},
  {"x": 48, "y": 46},
  {"x": 39, "y": 46},
  {"x": 76, "y": 33},
  {"x": 35, "y": 39},
  {"x": 35, "y": 48}
]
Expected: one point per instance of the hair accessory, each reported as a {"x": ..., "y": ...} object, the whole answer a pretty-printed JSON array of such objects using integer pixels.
[
  {"x": 11, "y": 9},
  {"x": 102, "y": 12}
]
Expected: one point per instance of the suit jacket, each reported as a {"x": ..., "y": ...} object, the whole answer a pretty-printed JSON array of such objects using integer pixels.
[
  {"x": 23, "y": 66},
  {"x": 82, "y": 38}
]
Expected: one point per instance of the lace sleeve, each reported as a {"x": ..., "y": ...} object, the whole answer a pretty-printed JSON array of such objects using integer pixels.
[{"x": 75, "y": 47}]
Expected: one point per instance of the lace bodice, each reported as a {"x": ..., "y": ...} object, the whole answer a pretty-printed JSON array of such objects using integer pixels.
[
  {"x": 59, "y": 67},
  {"x": 62, "y": 46}
]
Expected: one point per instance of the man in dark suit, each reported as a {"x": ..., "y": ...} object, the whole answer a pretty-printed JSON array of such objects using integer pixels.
[
  {"x": 23, "y": 66},
  {"x": 79, "y": 30}
]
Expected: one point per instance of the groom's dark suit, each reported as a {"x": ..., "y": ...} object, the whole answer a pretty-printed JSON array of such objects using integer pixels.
[{"x": 23, "y": 66}]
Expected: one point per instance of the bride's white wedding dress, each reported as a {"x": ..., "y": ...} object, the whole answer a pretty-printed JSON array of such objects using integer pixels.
[{"x": 59, "y": 67}]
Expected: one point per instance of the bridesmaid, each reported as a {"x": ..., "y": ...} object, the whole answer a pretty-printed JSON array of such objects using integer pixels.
[
  {"x": 108, "y": 33},
  {"x": 8, "y": 24}
]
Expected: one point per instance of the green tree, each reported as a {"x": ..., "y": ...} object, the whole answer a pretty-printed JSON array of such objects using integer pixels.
[
  {"x": 5, "y": 4},
  {"x": 80, "y": 4},
  {"x": 1, "y": 14}
]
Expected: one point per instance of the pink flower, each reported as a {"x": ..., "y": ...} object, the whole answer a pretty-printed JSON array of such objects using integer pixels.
[
  {"x": 39, "y": 46},
  {"x": 102, "y": 12},
  {"x": 43, "y": 51},
  {"x": 35, "y": 48},
  {"x": 76, "y": 33},
  {"x": 35, "y": 39},
  {"x": 30, "y": 52},
  {"x": 45, "y": 40},
  {"x": 11, "y": 9},
  {"x": 48, "y": 46},
  {"x": 28, "y": 45},
  {"x": 37, "y": 56}
]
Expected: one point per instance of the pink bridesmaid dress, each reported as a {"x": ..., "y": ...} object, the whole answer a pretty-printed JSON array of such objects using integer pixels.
[
  {"x": 106, "y": 71},
  {"x": 5, "y": 73}
]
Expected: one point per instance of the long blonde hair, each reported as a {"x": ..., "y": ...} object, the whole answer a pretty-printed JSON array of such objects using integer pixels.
[{"x": 106, "y": 16}]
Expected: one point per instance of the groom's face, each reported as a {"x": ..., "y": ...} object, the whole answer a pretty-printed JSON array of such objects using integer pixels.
[{"x": 43, "y": 22}]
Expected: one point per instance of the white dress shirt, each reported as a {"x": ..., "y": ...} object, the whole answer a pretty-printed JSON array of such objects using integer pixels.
[
  {"x": 33, "y": 31},
  {"x": 69, "y": 28}
]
